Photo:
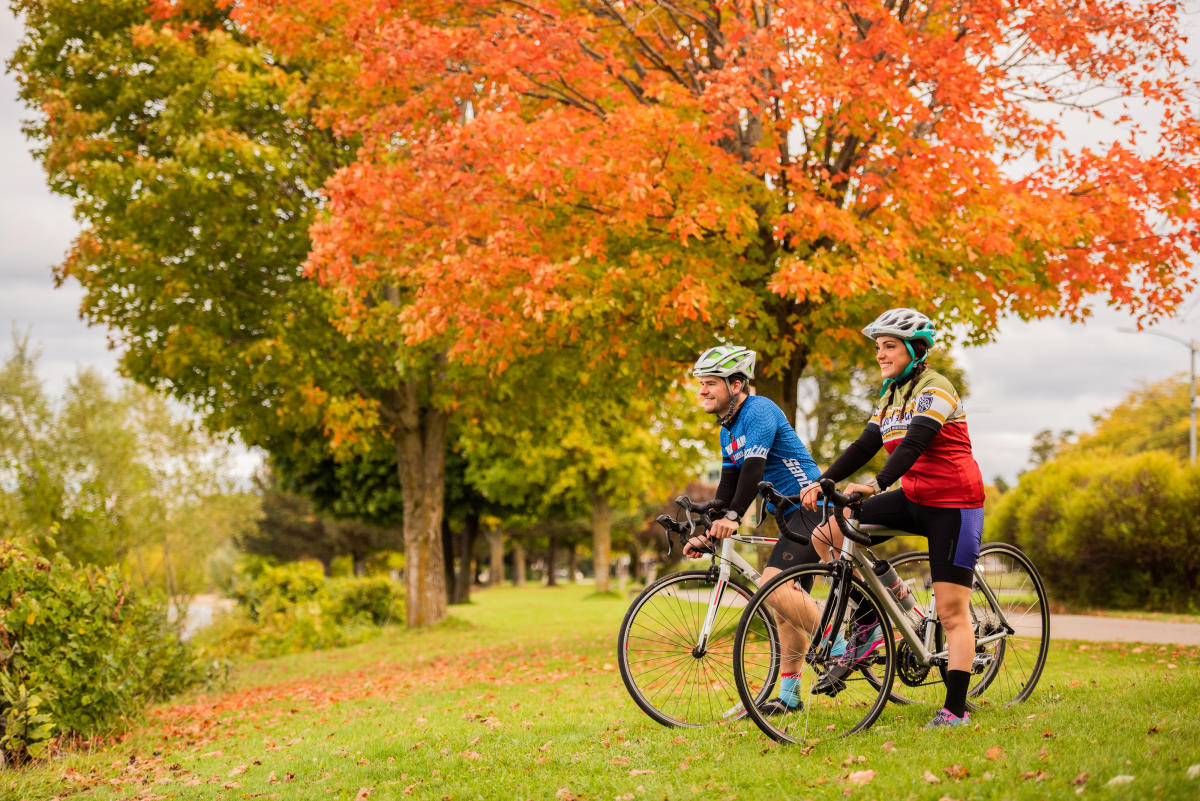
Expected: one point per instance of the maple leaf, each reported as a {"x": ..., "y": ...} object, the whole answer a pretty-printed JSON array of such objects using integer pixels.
[
  {"x": 957, "y": 772},
  {"x": 994, "y": 753},
  {"x": 861, "y": 777}
]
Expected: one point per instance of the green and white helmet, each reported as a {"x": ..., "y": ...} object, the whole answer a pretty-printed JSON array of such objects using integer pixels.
[
  {"x": 905, "y": 324},
  {"x": 725, "y": 361}
]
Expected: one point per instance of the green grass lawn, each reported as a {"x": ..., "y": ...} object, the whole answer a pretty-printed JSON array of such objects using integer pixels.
[{"x": 519, "y": 696}]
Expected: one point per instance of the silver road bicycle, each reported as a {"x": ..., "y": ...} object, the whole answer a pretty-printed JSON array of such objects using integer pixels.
[{"x": 852, "y": 646}]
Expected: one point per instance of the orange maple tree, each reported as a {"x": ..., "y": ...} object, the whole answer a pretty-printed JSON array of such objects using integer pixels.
[{"x": 772, "y": 172}]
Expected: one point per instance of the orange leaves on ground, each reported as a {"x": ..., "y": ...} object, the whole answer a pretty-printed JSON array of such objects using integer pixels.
[{"x": 861, "y": 777}]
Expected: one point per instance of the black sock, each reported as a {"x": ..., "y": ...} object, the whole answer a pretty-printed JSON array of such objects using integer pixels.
[{"x": 956, "y": 691}]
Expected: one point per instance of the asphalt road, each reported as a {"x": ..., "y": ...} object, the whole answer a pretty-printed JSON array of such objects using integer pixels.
[{"x": 1120, "y": 629}]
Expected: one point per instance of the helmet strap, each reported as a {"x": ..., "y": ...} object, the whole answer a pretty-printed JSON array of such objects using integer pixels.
[
  {"x": 912, "y": 365},
  {"x": 728, "y": 416}
]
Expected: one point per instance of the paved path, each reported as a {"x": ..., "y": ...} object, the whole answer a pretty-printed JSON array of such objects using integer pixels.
[{"x": 1120, "y": 629}]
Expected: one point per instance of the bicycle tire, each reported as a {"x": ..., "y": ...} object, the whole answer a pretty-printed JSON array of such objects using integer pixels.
[
  {"x": 655, "y": 650},
  {"x": 856, "y": 705},
  {"x": 1018, "y": 659}
]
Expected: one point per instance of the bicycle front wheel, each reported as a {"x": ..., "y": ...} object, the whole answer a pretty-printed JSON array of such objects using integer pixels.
[
  {"x": 666, "y": 671},
  {"x": 1016, "y": 660},
  {"x": 841, "y": 670}
]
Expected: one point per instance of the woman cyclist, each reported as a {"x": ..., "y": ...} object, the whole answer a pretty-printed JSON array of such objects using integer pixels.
[{"x": 921, "y": 422}]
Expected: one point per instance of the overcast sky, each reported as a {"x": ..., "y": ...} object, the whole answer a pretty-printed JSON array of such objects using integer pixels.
[{"x": 1047, "y": 374}]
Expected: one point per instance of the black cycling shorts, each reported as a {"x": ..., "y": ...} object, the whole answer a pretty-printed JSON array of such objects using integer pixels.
[
  {"x": 954, "y": 534},
  {"x": 788, "y": 553}
]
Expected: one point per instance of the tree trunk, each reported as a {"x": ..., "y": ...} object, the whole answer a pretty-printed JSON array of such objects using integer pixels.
[
  {"x": 601, "y": 540},
  {"x": 496, "y": 561},
  {"x": 464, "y": 544},
  {"x": 552, "y": 562},
  {"x": 448, "y": 547},
  {"x": 421, "y": 464},
  {"x": 518, "y": 563},
  {"x": 572, "y": 562},
  {"x": 784, "y": 387},
  {"x": 635, "y": 561}
]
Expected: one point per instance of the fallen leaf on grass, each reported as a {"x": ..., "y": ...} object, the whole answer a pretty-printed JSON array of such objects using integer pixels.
[
  {"x": 1037, "y": 776},
  {"x": 640, "y": 771},
  {"x": 565, "y": 794},
  {"x": 1048, "y": 734},
  {"x": 1079, "y": 780},
  {"x": 994, "y": 753},
  {"x": 472, "y": 755},
  {"x": 237, "y": 771},
  {"x": 957, "y": 772},
  {"x": 861, "y": 777},
  {"x": 271, "y": 779},
  {"x": 231, "y": 785},
  {"x": 619, "y": 760},
  {"x": 363, "y": 793},
  {"x": 929, "y": 777},
  {"x": 889, "y": 746},
  {"x": 1117, "y": 781},
  {"x": 1193, "y": 772}
]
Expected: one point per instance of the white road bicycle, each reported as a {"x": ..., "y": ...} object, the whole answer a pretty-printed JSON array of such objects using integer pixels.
[{"x": 675, "y": 645}]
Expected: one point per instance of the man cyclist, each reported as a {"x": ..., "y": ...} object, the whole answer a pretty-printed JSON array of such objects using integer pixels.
[
  {"x": 921, "y": 423},
  {"x": 757, "y": 444}
]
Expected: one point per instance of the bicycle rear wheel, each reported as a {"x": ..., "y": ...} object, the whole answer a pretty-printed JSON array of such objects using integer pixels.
[
  {"x": 854, "y": 702},
  {"x": 1017, "y": 660},
  {"x": 663, "y": 670}
]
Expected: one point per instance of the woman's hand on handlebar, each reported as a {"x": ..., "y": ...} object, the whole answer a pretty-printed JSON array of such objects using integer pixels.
[
  {"x": 863, "y": 489},
  {"x": 810, "y": 495}
]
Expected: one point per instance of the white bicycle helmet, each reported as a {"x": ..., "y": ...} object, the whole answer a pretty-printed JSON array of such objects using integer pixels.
[
  {"x": 905, "y": 324},
  {"x": 725, "y": 361}
]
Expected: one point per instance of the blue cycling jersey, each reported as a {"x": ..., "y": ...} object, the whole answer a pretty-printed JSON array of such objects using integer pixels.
[{"x": 759, "y": 429}]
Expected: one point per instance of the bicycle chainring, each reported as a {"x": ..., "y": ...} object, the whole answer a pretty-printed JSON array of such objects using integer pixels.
[{"x": 909, "y": 668}]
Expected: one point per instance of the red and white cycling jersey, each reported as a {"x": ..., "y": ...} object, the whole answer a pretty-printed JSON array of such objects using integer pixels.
[{"x": 946, "y": 473}]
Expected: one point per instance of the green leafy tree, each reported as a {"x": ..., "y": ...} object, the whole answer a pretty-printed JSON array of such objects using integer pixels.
[
  {"x": 195, "y": 166},
  {"x": 115, "y": 477},
  {"x": 567, "y": 441},
  {"x": 1153, "y": 417}
]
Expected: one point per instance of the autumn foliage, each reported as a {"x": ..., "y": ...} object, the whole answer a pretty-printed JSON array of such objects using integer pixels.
[{"x": 527, "y": 167}]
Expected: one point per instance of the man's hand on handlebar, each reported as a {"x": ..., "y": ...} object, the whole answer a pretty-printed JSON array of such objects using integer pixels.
[
  {"x": 810, "y": 495},
  {"x": 701, "y": 544}
]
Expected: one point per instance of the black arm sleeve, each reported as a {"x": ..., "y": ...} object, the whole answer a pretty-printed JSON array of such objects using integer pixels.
[
  {"x": 856, "y": 455},
  {"x": 921, "y": 432},
  {"x": 729, "y": 480},
  {"x": 747, "y": 484}
]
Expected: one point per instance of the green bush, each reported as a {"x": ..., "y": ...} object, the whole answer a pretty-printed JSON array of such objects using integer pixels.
[
  {"x": 293, "y": 607},
  {"x": 1107, "y": 530},
  {"x": 79, "y": 653}
]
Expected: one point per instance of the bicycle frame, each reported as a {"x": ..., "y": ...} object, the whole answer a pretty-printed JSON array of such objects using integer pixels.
[
  {"x": 922, "y": 648},
  {"x": 724, "y": 563}
]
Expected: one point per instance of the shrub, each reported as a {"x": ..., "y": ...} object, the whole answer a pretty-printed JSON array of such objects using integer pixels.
[
  {"x": 79, "y": 653},
  {"x": 292, "y": 607},
  {"x": 1106, "y": 530}
]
